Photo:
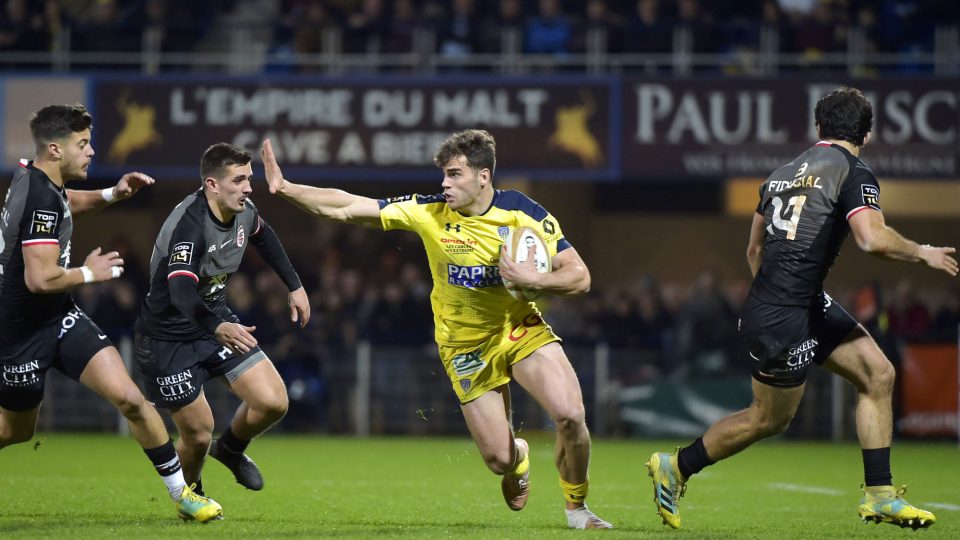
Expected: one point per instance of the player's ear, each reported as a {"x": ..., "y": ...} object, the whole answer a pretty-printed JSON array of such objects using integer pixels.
[
  {"x": 54, "y": 149},
  {"x": 866, "y": 138},
  {"x": 210, "y": 184},
  {"x": 484, "y": 177}
]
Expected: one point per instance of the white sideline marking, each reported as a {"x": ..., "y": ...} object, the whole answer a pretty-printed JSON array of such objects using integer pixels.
[
  {"x": 806, "y": 489},
  {"x": 942, "y": 506}
]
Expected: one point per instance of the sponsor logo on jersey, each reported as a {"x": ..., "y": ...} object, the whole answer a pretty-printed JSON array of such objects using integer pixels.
[
  {"x": 457, "y": 245},
  {"x": 217, "y": 283},
  {"x": 474, "y": 277},
  {"x": 798, "y": 182},
  {"x": 44, "y": 221},
  {"x": 871, "y": 195},
  {"x": 69, "y": 321},
  {"x": 549, "y": 227},
  {"x": 391, "y": 200},
  {"x": 453, "y": 227},
  {"x": 241, "y": 236},
  {"x": 182, "y": 253}
]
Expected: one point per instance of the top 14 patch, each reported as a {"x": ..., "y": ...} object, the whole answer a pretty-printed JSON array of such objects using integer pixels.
[
  {"x": 871, "y": 195},
  {"x": 182, "y": 253},
  {"x": 44, "y": 222}
]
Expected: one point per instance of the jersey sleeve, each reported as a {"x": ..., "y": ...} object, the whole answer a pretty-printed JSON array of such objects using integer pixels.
[
  {"x": 860, "y": 192},
  {"x": 763, "y": 189},
  {"x": 549, "y": 229},
  {"x": 42, "y": 217},
  {"x": 404, "y": 212},
  {"x": 185, "y": 250}
]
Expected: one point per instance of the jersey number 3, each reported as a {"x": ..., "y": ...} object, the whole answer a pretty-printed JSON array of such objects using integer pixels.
[{"x": 780, "y": 220}]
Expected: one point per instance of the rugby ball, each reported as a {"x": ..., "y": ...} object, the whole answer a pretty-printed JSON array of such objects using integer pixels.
[{"x": 518, "y": 242}]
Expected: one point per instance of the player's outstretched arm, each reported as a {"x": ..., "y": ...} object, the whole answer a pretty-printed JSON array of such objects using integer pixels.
[
  {"x": 569, "y": 275},
  {"x": 43, "y": 275},
  {"x": 333, "y": 204},
  {"x": 88, "y": 200},
  {"x": 874, "y": 236}
]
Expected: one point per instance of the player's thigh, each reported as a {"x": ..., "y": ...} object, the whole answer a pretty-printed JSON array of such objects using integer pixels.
[
  {"x": 860, "y": 360},
  {"x": 487, "y": 418},
  {"x": 775, "y": 405},
  {"x": 106, "y": 375},
  {"x": 260, "y": 386},
  {"x": 548, "y": 376},
  {"x": 171, "y": 371},
  {"x": 23, "y": 369},
  {"x": 20, "y": 425},
  {"x": 195, "y": 419}
]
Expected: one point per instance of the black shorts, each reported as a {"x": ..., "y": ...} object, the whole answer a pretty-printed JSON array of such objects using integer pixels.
[
  {"x": 67, "y": 344},
  {"x": 783, "y": 341},
  {"x": 173, "y": 372}
]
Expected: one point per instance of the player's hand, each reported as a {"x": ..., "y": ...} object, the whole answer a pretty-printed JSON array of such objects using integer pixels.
[
  {"x": 299, "y": 307},
  {"x": 939, "y": 258},
  {"x": 130, "y": 184},
  {"x": 104, "y": 266},
  {"x": 236, "y": 337},
  {"x": 520, "y": 274},
  {"x": 271, "y": 169}
]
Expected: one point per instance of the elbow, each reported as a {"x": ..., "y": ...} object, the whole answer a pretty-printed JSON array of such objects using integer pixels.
[
  {"x": 867, "y": 243},
  {"x": 35, "y": 285},
  {"x": 584, "y": 286}
]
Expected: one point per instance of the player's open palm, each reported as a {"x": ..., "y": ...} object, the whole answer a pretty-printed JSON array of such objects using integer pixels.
[
  {"x": 236, "y": 337},
  {"x": 939, "y": 258},
  {"x": 271, "y": 169},
  {"x": 105, "y": 266}
]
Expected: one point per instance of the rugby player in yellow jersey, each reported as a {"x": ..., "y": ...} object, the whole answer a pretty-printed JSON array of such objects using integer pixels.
[{"x": 485, "y": 336}]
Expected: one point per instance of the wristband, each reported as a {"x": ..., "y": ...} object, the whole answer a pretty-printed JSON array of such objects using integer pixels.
[
  {"x": 115, "y": 271},
  {"x": 87, "y": 274},
  {"x": 107, "y": 194}
]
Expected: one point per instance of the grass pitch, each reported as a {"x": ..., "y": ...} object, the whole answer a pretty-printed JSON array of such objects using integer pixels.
[{"x": 95, "y": 486}]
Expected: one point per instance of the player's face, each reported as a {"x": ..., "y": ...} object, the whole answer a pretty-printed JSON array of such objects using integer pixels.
[
  {"x": 76, "y": 153},
  {"x": 233, "y": 189},
  {"x": 461, "y": 184}
]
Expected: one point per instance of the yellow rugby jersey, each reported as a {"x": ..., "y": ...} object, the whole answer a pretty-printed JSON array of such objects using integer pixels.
[{"x": 469, "y": 300}]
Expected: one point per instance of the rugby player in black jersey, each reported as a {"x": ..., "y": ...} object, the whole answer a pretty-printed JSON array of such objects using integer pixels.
[{"x": 788, "y": 323}]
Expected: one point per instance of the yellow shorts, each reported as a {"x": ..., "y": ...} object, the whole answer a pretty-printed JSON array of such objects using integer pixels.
[{"x": 475, "y": 369}]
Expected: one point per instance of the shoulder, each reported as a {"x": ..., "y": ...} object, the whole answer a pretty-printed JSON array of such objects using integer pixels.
[{"x": 515, "y": 201}]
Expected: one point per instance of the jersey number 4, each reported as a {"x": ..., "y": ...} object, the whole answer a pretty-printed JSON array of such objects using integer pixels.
[{"x": 780, "y": 219}]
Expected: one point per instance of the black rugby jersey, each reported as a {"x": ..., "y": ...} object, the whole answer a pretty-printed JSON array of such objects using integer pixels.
[
  {"x": 35, "y": 212},
  {"x": 805, "y": 206},
  {"x": 195, "y": 244}
]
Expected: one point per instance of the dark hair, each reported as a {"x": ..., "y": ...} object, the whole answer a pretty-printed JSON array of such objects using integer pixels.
[
  {"x": 845, "y": 115},
  {"x": 55, "y": 122},
  {"x": 220, "y": 156},
  {"x": 476, "y": 145}
]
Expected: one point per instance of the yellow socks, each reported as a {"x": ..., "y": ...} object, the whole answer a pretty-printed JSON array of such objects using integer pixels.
[{"x": 575, "y": 493}]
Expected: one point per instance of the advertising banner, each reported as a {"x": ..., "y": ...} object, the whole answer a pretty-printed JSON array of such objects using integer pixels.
[
  {"x": 723, "y": 128},
  {"x": 929, "y": 379},
  {"x": 376, "y": 128}
]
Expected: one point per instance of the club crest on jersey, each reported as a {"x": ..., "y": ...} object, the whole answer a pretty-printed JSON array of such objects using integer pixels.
[
  {"x": 871, "y": 195},
  {"x": 241, "y": 236},
  {"x": 44, "y": 221},
  {"x": 503, "y": 232},
  {"x": 182, "y": 253}
]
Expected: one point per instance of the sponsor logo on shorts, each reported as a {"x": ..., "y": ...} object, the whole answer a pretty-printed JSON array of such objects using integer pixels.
[
  {"x": 174, "y": 387},
  {"x": 44, "y": 221},
  {"x": 21, "y": 374},
  {"x": 520, "y": 330},
  {"x": 467, "y": 364},
  {"x": 182, "y": 253},
  {"x": 800, "y": 356},
  {"x": 69, "y": 321}
]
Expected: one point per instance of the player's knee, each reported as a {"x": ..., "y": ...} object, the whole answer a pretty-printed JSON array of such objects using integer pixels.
[
  {"x": 130, "y": 403},
  {"x": 570, "y": 419},
  {"x": 882, "y": 378},
  {"x": 276, "y": 407},
  {"x": 768, "y": 426},
  {"x": 10, "y": 435},
  {"x": 197, "y": 440}
]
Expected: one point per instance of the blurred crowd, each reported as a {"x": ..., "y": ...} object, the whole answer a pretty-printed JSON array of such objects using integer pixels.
[
  {"x": 367, "y": 285},
  {"x": 459, "y": 28}
]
